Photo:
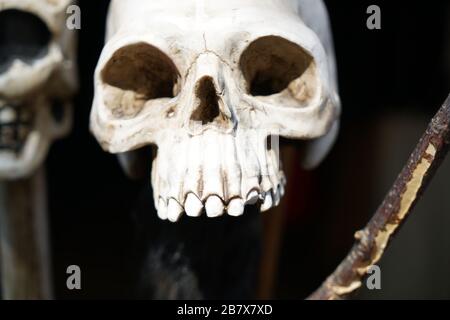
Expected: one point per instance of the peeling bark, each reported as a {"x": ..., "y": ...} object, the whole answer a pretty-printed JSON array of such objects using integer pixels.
[{"x": 372, "y": 241}]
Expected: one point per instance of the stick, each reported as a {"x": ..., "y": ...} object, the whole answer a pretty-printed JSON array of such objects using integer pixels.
[
  {"x": 25, "y": 263},
  {"x": 372, "y": 241}
]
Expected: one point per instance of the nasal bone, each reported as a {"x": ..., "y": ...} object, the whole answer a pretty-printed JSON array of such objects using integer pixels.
[
  {"x": 208, "y": 65},
  {"x": 210, "y": 109}
]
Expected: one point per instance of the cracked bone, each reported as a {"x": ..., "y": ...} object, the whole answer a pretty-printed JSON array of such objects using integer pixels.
[{"x": 212, "y": 86}]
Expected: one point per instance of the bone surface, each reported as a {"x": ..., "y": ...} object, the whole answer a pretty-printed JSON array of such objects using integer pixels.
[
  {"x": 213, "y": 86},
  {"x": 37, "y": 81},
  {"x": 37, "y": 74}
]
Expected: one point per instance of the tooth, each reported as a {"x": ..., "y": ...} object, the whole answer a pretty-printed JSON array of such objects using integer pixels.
[
  {"x": 236, "y": 207},
  {"x": 155, "y": 185},
  {"x": 282, "y": 190},
  {"x": 162, "y": 209},
  {"x": 214, "y": 207},
  {"x": 275, "y": 160},
  {"x": 252, "y": 197},
  {"x": 249, "y": 166},
  {"x": 277, "y": 196},
  {"x": 266, "y": 167},
  {"x": 282, "y": 178},
  {"x": 174, "y": 210},
  {"x": 177, "y": 166},
  {"x": 266, "y": 183},
  {"x": 193, "y": 181},
  {"x": 274, "y": 175},
  {"x": 213, "y": 175},
  {"x": 160, "y": 178},
  {"x": 231, "y": 169},
  {"x": 8, "y": 115},
  {"x": 267, "y": 204},
  {"x": 193, "y": 206}
]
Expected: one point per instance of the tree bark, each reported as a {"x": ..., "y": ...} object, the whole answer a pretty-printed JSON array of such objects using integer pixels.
[{"x": 372, "y": 241}]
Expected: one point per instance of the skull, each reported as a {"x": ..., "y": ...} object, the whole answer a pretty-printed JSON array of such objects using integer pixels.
[
  {"x": 37, "y": 79},
  {"x": 213, "y": 84}
]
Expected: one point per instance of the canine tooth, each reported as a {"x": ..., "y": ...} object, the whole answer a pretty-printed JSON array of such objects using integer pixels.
[
  {"x": 193, "y": 206},
  {"x": 174, "y": 210},
  {"x": 275, "y": 160},
  {"x": 268, "y": 201},
  {"x": 274, "y": 175},
  {"x": 249, "y": 167},
  {"x": 276, "y": 196},
  {"x": 266, "y": 183},
  {"x": 282, "y": 178},
  {"x": 162, "y": 209},
  {"x": 160, "y": 178},
  {"x": 282, "y": 190},
  {"x": 177, "y": 170},
  {"x": 252, "y": 197},
  {"x": 214, "y": 207},
  {"x": 155, "y": 185}
]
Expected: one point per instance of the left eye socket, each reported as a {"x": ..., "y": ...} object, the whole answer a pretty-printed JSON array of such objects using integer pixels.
[
  {"x": 22, "y": 35},
  {"x": 271, "y": 64}
]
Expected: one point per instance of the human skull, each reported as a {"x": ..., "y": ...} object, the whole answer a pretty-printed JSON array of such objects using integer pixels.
[
  {"x": 213, "y": 84},
  {"x": 37, "y": 79}
]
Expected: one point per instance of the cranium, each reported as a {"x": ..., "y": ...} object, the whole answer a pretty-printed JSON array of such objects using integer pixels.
[
  {"x": 37, "y": 78},
  {"x": 213, "y": 84}
]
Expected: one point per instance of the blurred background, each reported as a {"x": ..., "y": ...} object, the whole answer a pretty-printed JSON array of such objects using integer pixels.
[{"x": 392, "y": 81}]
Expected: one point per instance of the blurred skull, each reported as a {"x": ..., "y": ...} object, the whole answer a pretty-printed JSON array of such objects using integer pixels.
[{"x": 37, "y": 79}]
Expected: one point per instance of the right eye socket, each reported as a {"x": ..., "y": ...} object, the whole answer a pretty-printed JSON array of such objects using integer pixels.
[
  {"x": 143, "y": 69},
  {"x": 22, "y": 36}
]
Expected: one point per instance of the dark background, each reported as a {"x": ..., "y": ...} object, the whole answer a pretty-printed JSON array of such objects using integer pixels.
[{"x": 391, "y": 83}]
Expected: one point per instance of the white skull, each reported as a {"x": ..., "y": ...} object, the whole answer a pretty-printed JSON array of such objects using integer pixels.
[
  {"x": 209, "y": 83},
  {"x": 37, "y": 79}
]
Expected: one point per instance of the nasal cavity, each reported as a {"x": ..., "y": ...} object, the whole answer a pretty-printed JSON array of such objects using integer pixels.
[{"x": 208, "y": 109}]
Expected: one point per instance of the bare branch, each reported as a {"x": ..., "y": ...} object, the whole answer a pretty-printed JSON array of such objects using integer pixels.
[{"x": 372, "y": 241}]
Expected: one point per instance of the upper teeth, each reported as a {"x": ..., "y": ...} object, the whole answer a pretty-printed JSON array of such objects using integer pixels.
[
  {"x": 14, "y": 127},
  {"x": 214, "y": 173},
  {"x": 7, "y": 115},
  {"x": 214, "y": 206}
]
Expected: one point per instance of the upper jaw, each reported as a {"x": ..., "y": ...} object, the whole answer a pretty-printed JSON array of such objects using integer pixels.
[
  {"x": 22, "y": 146},
  {"x": 214, "y": 174},
  {"x": 214, "y": 206},
  {"x": 16, "y": 122}
]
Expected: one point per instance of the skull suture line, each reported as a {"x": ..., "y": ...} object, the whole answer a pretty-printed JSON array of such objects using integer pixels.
[
  {"x": 202, "y": 80},
  {"x": 37, "y": 79}
]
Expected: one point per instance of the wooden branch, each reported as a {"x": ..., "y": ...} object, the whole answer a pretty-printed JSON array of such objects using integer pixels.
[
  {"x": 372, "y": 241},
  {"x": 25, "y": 263}
]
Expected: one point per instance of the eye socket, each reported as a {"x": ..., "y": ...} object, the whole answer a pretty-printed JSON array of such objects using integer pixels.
[
  {"x": 22, "y": 35},
  {"x": 269, "y": 65},
  {"x": 143, "y": 69}
]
